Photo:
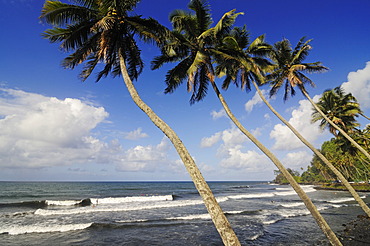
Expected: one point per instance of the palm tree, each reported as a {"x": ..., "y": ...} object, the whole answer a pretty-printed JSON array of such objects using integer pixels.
[
  {"x": 289, "y": 70},
  {"x": 101, "y": 32},
  {"x": 340, "y": 108},
  {"x": 194, "y": 45},
  {"x": 246, "y": 66}
]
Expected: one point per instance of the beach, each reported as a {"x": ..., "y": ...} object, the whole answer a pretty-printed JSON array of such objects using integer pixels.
[{"x": 170, "y": 213}]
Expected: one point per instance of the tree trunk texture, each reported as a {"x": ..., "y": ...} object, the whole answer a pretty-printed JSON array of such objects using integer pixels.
[
  {"x": 334, "y": 125},
  {"x": 307, "y": 201},
  {"x": 318, "y": 153},
  {"x": 218, "y": 217}
]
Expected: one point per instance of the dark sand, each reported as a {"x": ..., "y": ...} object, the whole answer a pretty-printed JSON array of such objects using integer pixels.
[{"x": 356, "y": 233}]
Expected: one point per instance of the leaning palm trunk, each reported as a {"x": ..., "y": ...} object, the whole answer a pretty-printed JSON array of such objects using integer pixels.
[
  {"x": 307, "y": 201},
  {"x": 218, "y": 217},
  {"x": 318, "y": 153},
  {"x": 334, "y": 125}
]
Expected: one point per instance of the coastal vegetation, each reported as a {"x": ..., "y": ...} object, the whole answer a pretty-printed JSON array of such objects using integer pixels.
[
  {"x": 343, "y": 109},
  {"x": 103, "y": 35}
]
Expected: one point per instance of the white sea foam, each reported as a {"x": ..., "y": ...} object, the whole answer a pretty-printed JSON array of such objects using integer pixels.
[
  {"x": 116, "y": 200},
  {"x": 285, "y": 193},
  {"x": 291, "y": 191},
  {"x": 255, "y": 237},
  {"x": 308, "y": 188},
  {"x": 23, "y": 229},
  {"x": 62, "y": 202},
  {"x": 130, "y": 221},
  {"x": 269, "y": 222},
  {"x": 222, "y": 199},
  {"x": 292, "y": 204},
  {"x": 129, "y": 206},
  {"x": 279, "y": 188},
  {"x": 293, "y": 212},
  {"x": 111, "y": 200},
  {"x": 347, "y": 199},
  {"x": 342, "y": 200},
  {"x": 192, "y": 217},
  {"x": 256, "y": 195},
  {"x": 235, "y": 212}
]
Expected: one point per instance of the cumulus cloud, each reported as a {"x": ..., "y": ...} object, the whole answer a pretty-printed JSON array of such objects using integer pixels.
[
  {"x": 301, "y": 121},
  {"x": 216, "y": 115},
  {"x": 359, "y": 85},
  {"x": 210, "y": 141},
  {"x": 247, "y": 160},
  {"x": 229, "y": 137},
  {"x": 39, "y": 131},
  {"x": 233, "y": 153},
  {"x": 135, "y": 134},
  {"x": 256, "y": 100},
  {"x": 144, "y": 158},
  {"x": 297, "y": 160}
]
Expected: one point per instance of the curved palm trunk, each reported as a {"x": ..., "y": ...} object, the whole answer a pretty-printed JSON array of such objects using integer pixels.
[
  {"x": 318, "y": 153},
  {"x": 218, "y": 217},
  {"x": 307, "y": 201},
  {"x": 334, "y": 125}
]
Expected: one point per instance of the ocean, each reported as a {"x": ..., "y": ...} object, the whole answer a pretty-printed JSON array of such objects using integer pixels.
[{"x": 164, "y": 213}]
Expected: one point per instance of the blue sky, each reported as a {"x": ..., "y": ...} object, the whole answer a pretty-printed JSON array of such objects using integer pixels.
[{"x": 55, "y": 127}]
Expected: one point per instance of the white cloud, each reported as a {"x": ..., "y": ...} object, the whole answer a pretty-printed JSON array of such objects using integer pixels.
[
  {"x": 233, "y": 136},
  {"x": 209, "y": 142},
  {"x": 219, "y": 114},
  {"x": 135, "y": 134},
  {"x": 144, "y": 158},
  {"x": 267, "y": 116},
  {"x": 232, "y": 151},
  {"x": 257, "y": 132},
  {"x": 38, "y": 131},
  {"x": 229, "y": 137},
  {"x": 248, "y": 160},
  {"x": 359, "y": 85},
  {"x": 297, "y": 160},
  {"x": 256, "y": 100},
  {"x": 301, "y": 121}
]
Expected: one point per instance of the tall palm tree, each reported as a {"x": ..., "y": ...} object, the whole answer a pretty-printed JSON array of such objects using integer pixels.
[
  {"x": 103, "y": 32},
  {"x": 290, "y": 70},
  {"x": 242, "y": 64},
  {"x": 194, "y": 45},
  {"x": 340, "y": 108}
]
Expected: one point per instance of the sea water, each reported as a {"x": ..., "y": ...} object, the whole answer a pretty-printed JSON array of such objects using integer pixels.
[{"x": 163, "y": 213}]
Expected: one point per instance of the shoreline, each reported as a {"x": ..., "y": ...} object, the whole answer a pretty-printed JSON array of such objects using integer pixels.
[{"x": 342, "y": 188}]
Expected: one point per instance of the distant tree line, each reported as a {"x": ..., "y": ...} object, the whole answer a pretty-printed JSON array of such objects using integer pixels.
[{"x": 343, "y": 109}]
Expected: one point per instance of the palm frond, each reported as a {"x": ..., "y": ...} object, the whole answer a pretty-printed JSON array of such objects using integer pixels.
[
  {"x": 202, "y": 13},
  {"x": 149, "y": 30},
  {"x": 90, "y": 65},
  {"x": 177, "y": 75},
  {"x": 222, "y": 26},
  {"x": 200, "y": 84},
  {"x": 61, "y": 14}
]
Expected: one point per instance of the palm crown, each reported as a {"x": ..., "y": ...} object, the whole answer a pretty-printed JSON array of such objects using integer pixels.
[
  {"x": 339, "y": 107},
  {"x": 242, "y": 61},
  {"x": 290, "y": 68},
  {"x": 192, "y": 45},
  {"x": 98, "y": 31}
]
